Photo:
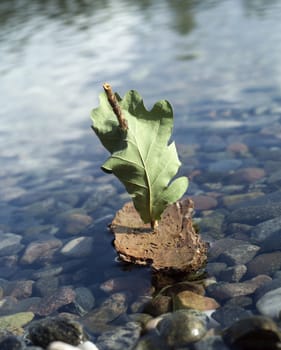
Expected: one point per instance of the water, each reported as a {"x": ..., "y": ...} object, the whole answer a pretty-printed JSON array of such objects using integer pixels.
[{"x": 217, "y": 62}]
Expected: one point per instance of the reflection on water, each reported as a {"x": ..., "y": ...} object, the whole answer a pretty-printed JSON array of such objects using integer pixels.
[{"x": 219, "y": 64}]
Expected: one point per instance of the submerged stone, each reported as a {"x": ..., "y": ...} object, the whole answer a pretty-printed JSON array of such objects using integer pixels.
[{"x": 50, "y": 329}]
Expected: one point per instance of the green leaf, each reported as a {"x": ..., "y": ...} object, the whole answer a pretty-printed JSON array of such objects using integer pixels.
[{"x": 141, "y": 156}]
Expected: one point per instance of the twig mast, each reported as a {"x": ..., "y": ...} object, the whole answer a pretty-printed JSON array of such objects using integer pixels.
[{"x": 115, "y": 106}]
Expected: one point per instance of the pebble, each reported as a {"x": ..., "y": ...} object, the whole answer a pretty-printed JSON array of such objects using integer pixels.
[
  {"x": 126, "y": 283},
  {"x": 270, "y": 304},
  {"x": 229, "y": 313},
  {"x": 239, "y": 253},
  {"x": 123, "y": 337},
  {"x": 224, "y": 290},
  {"x": 266, "y": 263},
  {"x": 40, "y": 251},
  {"x": 233, "y": 273},
  {"x": 238, "y": 147},
  {"x": 52, "y": 302},
  {"x": 210, "y": 343},
  {"x": 84, "y": 300},
  {"x": 18, "y": 289},
  {"x": 59, "y": 345},
  {"x": 112, "y": 307},
  {"x": 187, "y": 300},
  {"x": 202, "y": 202},
  {"x": 14, "y": 323},
  {"x": 248, "y": 175},
  {"x": 46, "y": 286},
  {"x": 45, "y": 331},
  {"x": 225, "y": 165},
  {"x": 267, "y": 234},
  {"x": 10, "y": 243},
  {"x": 224, "y": 245},
  {"x": 256, "y": 332},
  {"x": 74, "y": 222},
  {"x": 181, "y": 327},
  {"x": 12, "y": 342},
  {"x": 78, "y": 247}
]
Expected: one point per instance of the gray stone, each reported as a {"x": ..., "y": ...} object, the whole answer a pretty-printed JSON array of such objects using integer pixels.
[
  {"x": 270, "y": 304},
  {"x": 78, "y": 247},
  {"x": 239, "y": 253},
  {"x": 254, "y": 214},
  {"x": 97, "y": 320},
  {"x": 225, "y": 165},
  {"x": 225, "y": 290},
  {"x": 10, "y": 244},
  {"x": 123, "y": 337},
  {"x": 84, "y": 300},
  {"x": 52, "y": 302},
  {"x": 12, "y": 343},
  {"x": 233, "y": 273},
  {"x": 215, "y": 268},
  {"x": 228, "y": 314},
  {"x": 46, "y": 286},
  {"x": 40, "y": 251},
  {"x": 268, "y": 234},
  {"x": 266, "y": 263}
]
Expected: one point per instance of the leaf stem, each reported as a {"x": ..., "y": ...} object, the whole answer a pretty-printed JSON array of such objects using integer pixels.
[
  {"x": 115, "y": 106},
  {"x": 154, "y": 224}
]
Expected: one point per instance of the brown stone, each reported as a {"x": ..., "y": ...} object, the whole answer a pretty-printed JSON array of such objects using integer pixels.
[
  {"x": 202, "y": 202},
  {"x": 173, "y": 246},
  {"x": 187, "y": 300}
]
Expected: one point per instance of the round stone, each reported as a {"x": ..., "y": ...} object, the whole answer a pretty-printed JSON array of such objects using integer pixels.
[{"x": 181, "y": 327}]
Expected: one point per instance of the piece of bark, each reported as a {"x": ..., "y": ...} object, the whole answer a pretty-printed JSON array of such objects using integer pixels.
[{"x": 173, "y": 246}]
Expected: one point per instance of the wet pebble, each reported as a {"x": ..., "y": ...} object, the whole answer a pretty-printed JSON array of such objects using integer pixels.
[
  {"x": 225, "y": 165},
  {"x": 266, "y": 263},
  {"x": 256, "y": 332},
  {"x": 233, "y": 273},
  {"x": 229, "y": 313},
  {"x": 73, "y": 222},
  {"x": 78, "y": 247},
  {"x": 158, "y": 305},
  {"x": 123, "y": 337},
  {"x": 239, "y": 253},
  {"x": 14, "y": 323},
  {"x": 12, "y": 343},
  {"x": 224, "y": 290},
  {"x": 270, "y": 303},
  {"x": 268, "y": 234},
  {"x": 181, "y": 327},
  {"x": 84, "y": 300},
  {"x": 10, "y": 243},
  {"x": 187, "y": 299},
  {"x": 46, "y": 286},
  {"x": 40, "y": 251},
  {"x": 52, "y": 302},
  {"x": 59, "y": 345},
  {"x": 211, "y": 343},
  {"x": 97, "y": 320},
  {"x": 18, "y": 289},
  {"x": 47, "y": 330},
  {"x": 203, "y": 202},
  {"x": 248, "y": 175}
]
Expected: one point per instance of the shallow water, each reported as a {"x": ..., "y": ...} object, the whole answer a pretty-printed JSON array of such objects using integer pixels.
[{"x": 217, "y": 62}]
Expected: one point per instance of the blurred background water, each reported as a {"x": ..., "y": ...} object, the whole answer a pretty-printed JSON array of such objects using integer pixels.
[
  {"x": 55, "y": 55},
  {"x": 217, "y": 61}
]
